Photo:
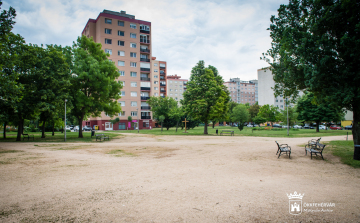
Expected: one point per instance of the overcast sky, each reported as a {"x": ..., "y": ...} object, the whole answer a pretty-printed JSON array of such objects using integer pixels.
[{"x": 230, "y": 35}]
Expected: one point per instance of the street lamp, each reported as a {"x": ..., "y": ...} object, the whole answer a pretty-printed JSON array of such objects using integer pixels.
[
  {"x": 137, "y": 117},
  {"x": 65, "y": 121},
  {"x": 287, "y": 115}
]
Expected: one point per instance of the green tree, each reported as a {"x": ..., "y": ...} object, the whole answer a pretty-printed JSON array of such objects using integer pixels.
[
  {"x": 240, "y": 114},
  {"x": 293, "y": 115},
  {"x": 269, "y": 113},
  {"x": 253, "y": 111},
  {"x": 205, "y": 98},
  {"x": 94, "y": 88},
  {"x": 176, "y": 113},
  {"x": 310, "y": 109},
  {"x": 161, "y": 119},
  {"x": 315, "y": 46},
  {"x": 163, "y": 106},
  {"x": 259, "y": 120}
]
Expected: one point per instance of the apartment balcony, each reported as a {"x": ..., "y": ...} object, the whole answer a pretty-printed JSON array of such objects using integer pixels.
[
  {"x": 144, "y": 98},
  {"x": 162, "y": 78},
  {"x": 145, "y": 69},
  {"x": 144, "y": 79},
  {"x": 162, "y": 96},
  {"x": 144, "y": 60},
  {"x": 144, "y": 31},
  {"x": 145, "y": 117},
  {"x": 145, "y": 108},
  {"x": 162, "y": 72},
  {"x": 162, "y": 90},
  {"x": 162, "y": 68},
  {"x": 185, "y": 83},
  {"x": 144, "y": 50},
  {"x": 144, "y": 88},
  {"x": 146, "y": 41},
  {"x": 185, "y": 87},
  {"x": 162, "y": 84}
]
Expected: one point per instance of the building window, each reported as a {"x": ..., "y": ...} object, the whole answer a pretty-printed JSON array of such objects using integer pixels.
[
  {"x": 133, "y": 45},
  {"x": 170, "y": 82},
  {"x": 122, "y": 126},
  {"x": 120, "y": 23},
  {"x": 132, "y": 54},
  {"x": 122, "y": 73},
  {"x": 133, "y": 35},
  {"x": 132, "y": 74},
  {"x": 134, "y": 113},
  {"x": 108, "y": 51},
  {"x": 171, "y": 89},
  {"x": 144, "y": 27},
  {"x": 281, "y": 106},
  {"x": 108, "y": 41},
  {"x": 132, "y": 25},
  {"x": 122, "y": 113},
  {"x": 156, "y": 94},
  {"x": 155, "y": 64},
  {"x": 133, "y": 104},
  {"x": 121, "y": 53},
  {"x": 108, "y": 21},
  {"x": 122, "y": 83},
  {"x": 156, "y": 76},
  {"x": 133, "y": 94},
  {"x": 122, "y": 103},
  {"x": 107, "y": 31},
  {"x": 121, "y": 33},
  {"x": 156, "y": 82},
  {"x": 281, "y": 100},
  {"x": 180, "y": 86},
  {"x": 121, "y": 43},
  {"x": 133, "y": 84},
  {"x": 156, "y": 88},
  {"x": 122, "y": 93},
  {"x": 132, "y": 64},
  {"x": 156, "y": 70},
  {"x": 121, "y": 63}
]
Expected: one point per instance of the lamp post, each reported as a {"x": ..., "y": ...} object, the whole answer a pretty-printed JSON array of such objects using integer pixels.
[
  {"x": 65, "y": 121},
  {"x": 287, "y": 115},
  {"x": 137, "y": 117}
]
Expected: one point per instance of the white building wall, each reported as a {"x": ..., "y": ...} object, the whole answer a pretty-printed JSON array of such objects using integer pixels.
[{"x": 265, "y": 83}]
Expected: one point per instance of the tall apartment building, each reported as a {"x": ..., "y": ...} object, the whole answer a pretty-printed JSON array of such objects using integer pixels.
[
  {"x": 242, "y": 92},
  {"x": 176, "y": 87},
  {"x": 128, "y": 41}
]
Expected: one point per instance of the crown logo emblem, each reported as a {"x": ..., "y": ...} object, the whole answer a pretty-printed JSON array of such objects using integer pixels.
[{"x": 295, "y": 195}]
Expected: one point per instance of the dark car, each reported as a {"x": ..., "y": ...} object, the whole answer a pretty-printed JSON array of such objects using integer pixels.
[
  {"x": 348, "y": 127},
  {"x": 277, "y": 126},
  {"x": 335, "y": 127}
]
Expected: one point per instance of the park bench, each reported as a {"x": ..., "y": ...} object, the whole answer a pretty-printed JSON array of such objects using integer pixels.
[
  {"x": 317, "y": 148},
  {"x": 312, "y": 142},
  {"x": 27, "y": 136},
  {"x": 283, "y": 148},
  {"x": 102, "y": 136},
  {"x": 227, "y": 131}
]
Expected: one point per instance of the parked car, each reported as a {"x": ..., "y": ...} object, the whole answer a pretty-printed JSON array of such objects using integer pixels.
[
  {"x": 68, "y": 127},
  {"x": 348, "y": 127},
  {"x": 76, "y": 128},
  {"x": 250, "y": 125},
  {"x": 276, "y": 126},
  {"x": 335, "y": 127},
  {"x": 87, "y": 128},
  {"x": 285, "y": 127},
  {"x": 322, "y": 127},
  {"x": 297, "y": 127},
  {"x": 256, "y": 125}
]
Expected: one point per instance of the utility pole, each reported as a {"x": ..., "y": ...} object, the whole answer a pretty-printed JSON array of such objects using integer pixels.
[{"x": 65, "y": 121}]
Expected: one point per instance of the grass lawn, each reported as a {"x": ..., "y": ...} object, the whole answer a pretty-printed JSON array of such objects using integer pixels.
[
  {"x": 58, "y": 137},
  {"x": 344, "y": 150},
  {"x": 245, "y": 132}
]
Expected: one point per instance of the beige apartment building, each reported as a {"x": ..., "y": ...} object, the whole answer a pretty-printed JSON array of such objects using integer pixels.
[
  {"x": 176, "y": 87},
  {"x": 242, "y": 92},
  {"x": 128, "y": 41}
]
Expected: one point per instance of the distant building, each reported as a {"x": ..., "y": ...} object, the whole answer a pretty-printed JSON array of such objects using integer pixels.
[
  {"x": 242, "y": 92},
  {"x": 176, "y": 87}
]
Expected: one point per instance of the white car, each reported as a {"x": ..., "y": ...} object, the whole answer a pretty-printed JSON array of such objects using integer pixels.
[
  {"x": 68, "y": 127},
  {"x": 322, "y": 127},
  {"x": 297, "y": 127},
  {"x": 249, "y": 125}
]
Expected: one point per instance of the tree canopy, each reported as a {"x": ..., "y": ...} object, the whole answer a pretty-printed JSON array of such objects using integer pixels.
[
  {"x": 240, "y": 114},
  {"x": 315, "y": 48},
  {"x": 166, "y": 107}
]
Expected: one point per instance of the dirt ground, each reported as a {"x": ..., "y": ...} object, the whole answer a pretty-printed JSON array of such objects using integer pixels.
[{"x": 146, "y": 178}]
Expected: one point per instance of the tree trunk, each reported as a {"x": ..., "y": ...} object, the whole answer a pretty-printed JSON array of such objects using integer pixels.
[
  {"x": 317, "y": 126},
  {"x": 161, "y": 126},
  {"x": 356, "y": 125},
  {"x": 53, "y": 129},
  {"x": 206, "y": 127},
  {"x": 213, "y": 123},
  {"x": 20, "y": 127},
  {"x": 43, "y": 130},
  {"x": 5, "y": 124},
  {"x": 80, "y": 119},
  {"x": 177, "y": 124}
]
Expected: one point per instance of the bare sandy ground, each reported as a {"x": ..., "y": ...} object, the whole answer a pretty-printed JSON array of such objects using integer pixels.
[{"x": 173, "y": 179}]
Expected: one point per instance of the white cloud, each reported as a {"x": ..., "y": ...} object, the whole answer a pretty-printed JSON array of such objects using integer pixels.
[{"x": 230, "y": 35}]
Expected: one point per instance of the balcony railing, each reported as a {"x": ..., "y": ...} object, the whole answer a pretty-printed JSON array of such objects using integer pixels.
[
  {"x": 144, "y": 50},
  {"x": 143, "y": 98},
  {"x": 144, "y": 60},
  {"x": 162, "y": 73},
  {"x": 144, "y": 79},
  {"x": 145, "y": 69},
  {"x": 145, "y": 41},
  {"x": 163, "y": 68},
  {"x": 162, "y": 90},
  {"x": 145, "y": 117},
  {"x": 162, "y": 84},
  {"x": 144, "y": 31},
  {"x": 145, "y": 88},
  {"x": 145, "y": 108}
]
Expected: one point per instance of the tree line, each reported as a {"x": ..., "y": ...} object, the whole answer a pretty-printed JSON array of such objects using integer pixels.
[{"x": 36, "y": 80}]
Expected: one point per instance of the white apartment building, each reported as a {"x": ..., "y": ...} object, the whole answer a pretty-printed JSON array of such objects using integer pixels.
[{"x": 175, "y": 87}]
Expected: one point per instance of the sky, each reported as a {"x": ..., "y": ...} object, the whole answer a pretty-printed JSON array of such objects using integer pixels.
[{"x": 228, "y": 34}]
